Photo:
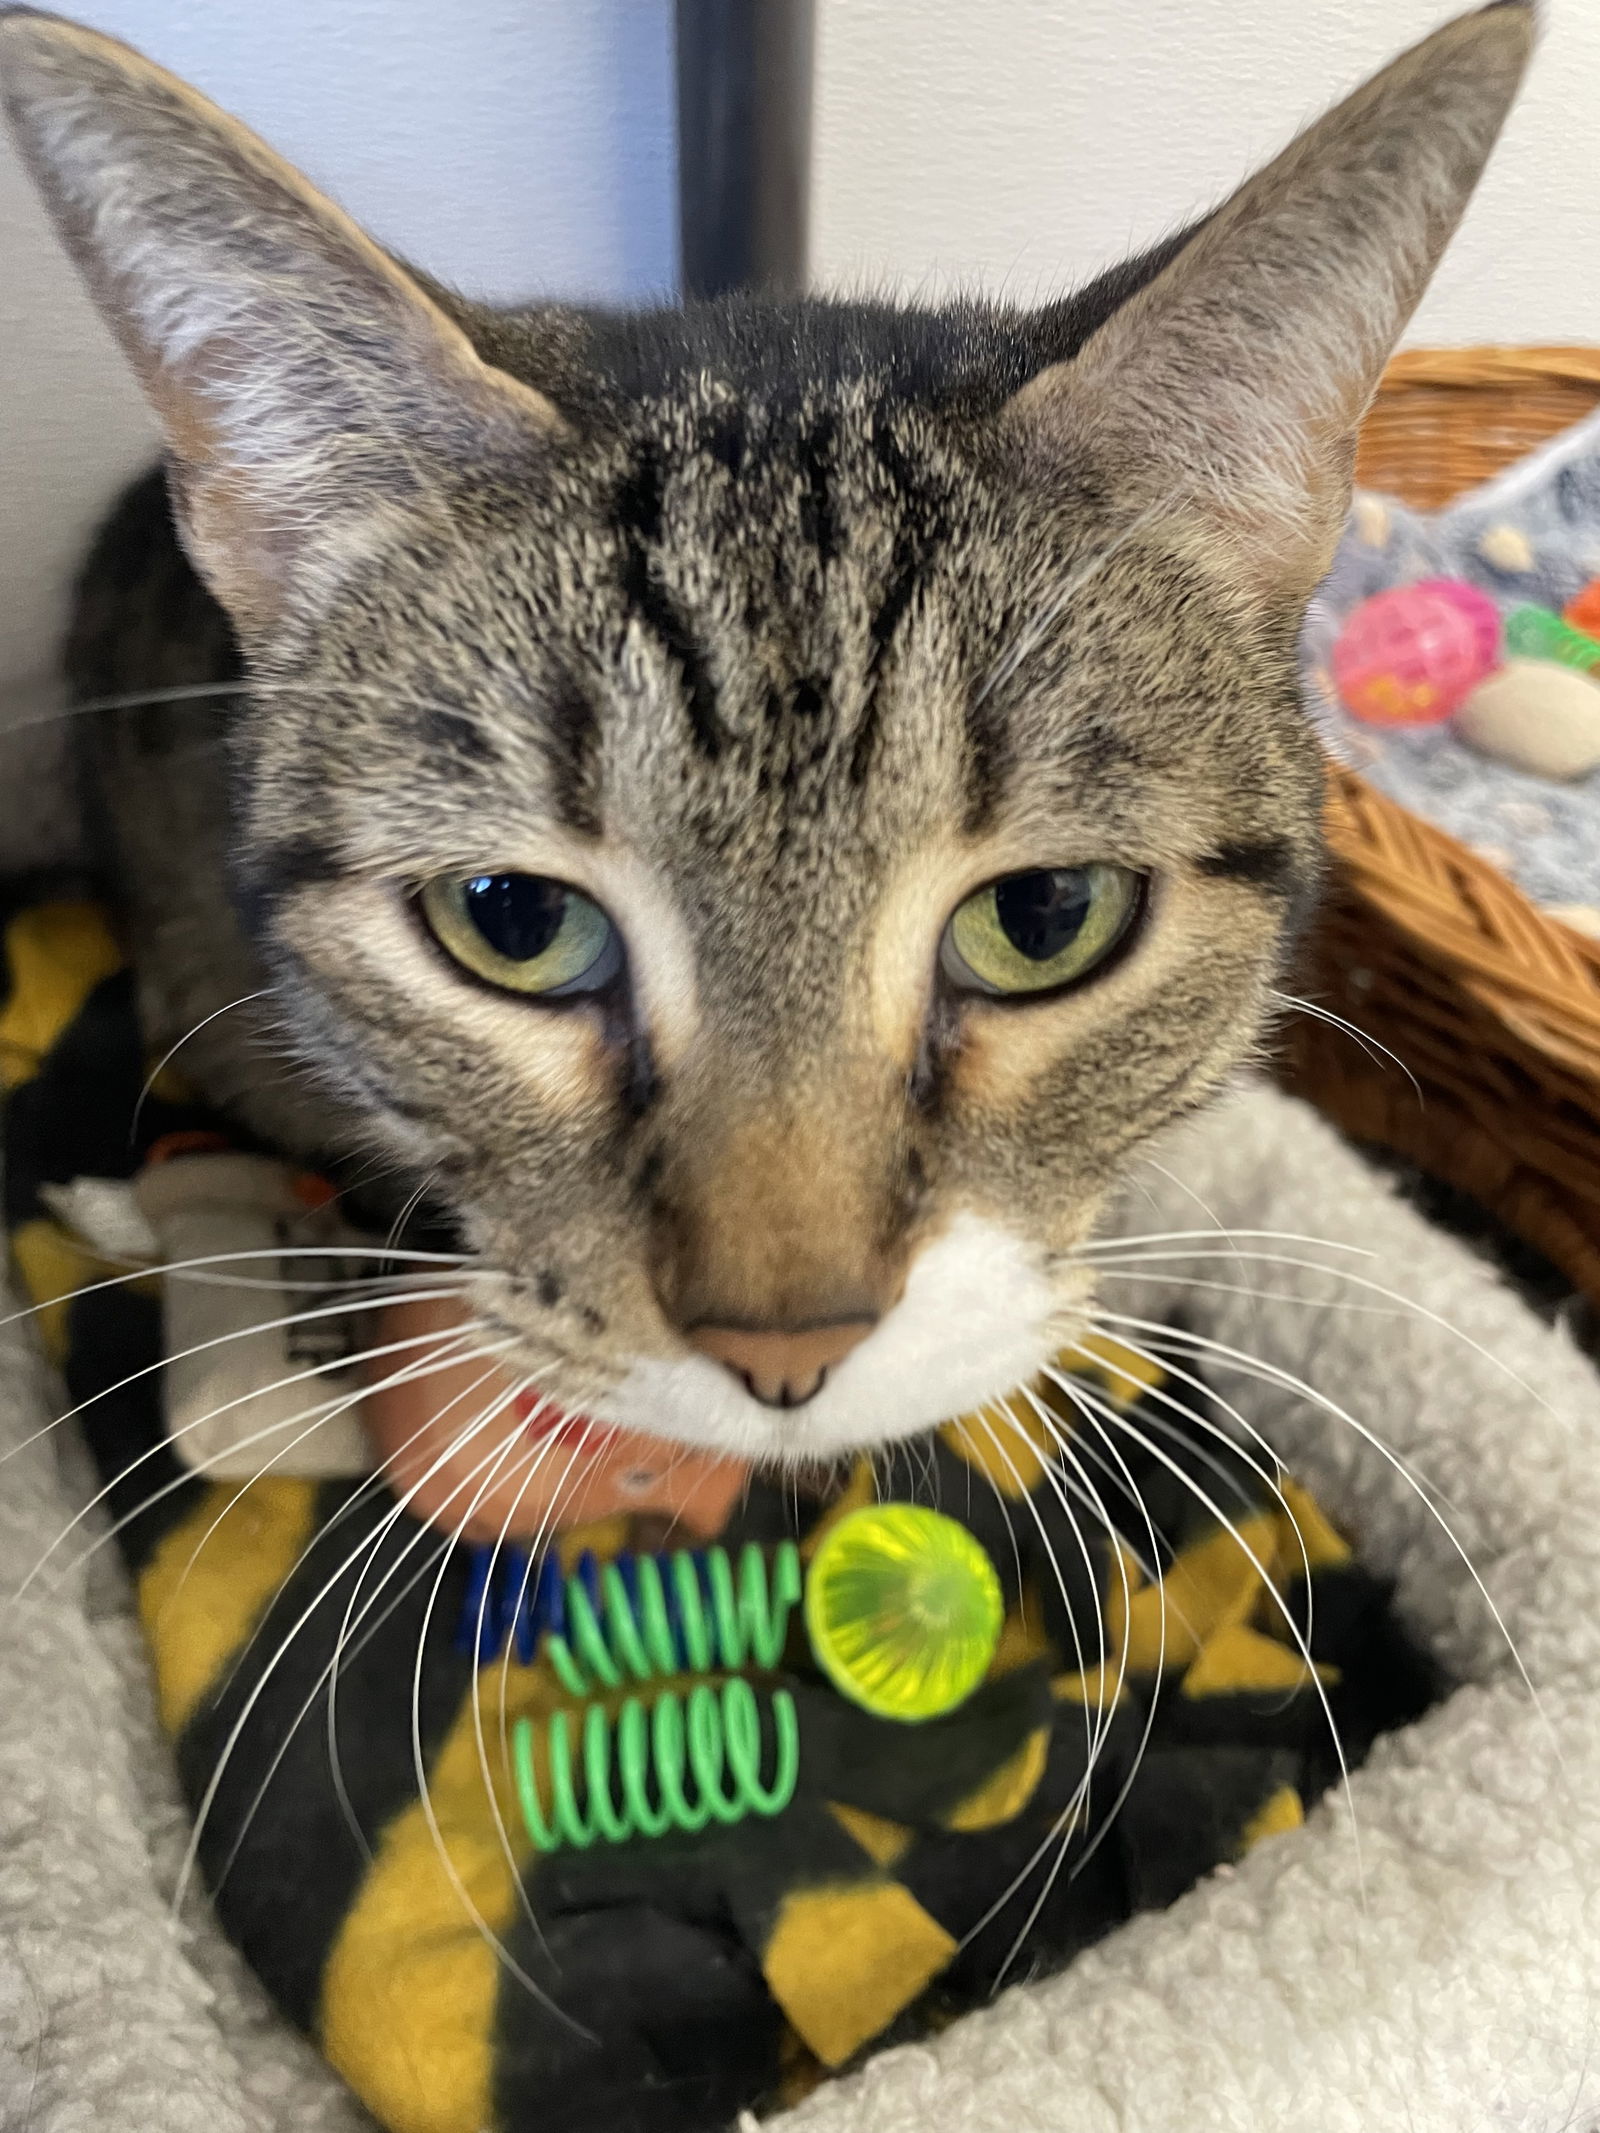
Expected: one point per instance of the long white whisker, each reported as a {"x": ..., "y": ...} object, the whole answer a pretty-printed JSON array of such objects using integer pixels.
[
  {"x": 316, "y": 1417},
  {"x": 1234, "y": 1288},
  {"x": 453, "y": 1351},
  {"x": 341, "y": 1638},
  {"x": 455, "y": 1359},
  {"x": 1108, "y": 1417},
  {"x": 1057, "y": 1482},
  {"x": 165, "y": 1442},
  {"x": 1064, "y": 1443},
  {"x": 419, "y": 1759},
  {"x": 343, "y": 1308},
  {"x": 329, "y": 1673},
  {"x": 1094, "y": 1728},
  {"x": 1084, "y": 1492},
  {"x": 1269, "y": 1479},
  {"x": 432, "y": 1364},
  {"x": 458, "y": 1260},
  {"x": 141, "y": 1269},
  {"x": 1088, "y": 1723},
  {"x": 502, "y": 1693},
  {"x": 1079, "y": 1450},
  {"x": 415, "y": 1200},
  {"x": 1059, "y": 1834},
  {"x": 1405, "y": 1304},
  {"x": 542, "y": 1538},
  {"x": 374, "y": 1483},
  {"x": 1216, "y": 1239},
  {"x": 137, "y": 700},
  {"x": 199, "y": 692},
  {"x": 999, "y": 1497},
  {"x": 1368, "y": 1043},
  {"x": 244, "y": 1000},
  {"x": 402, "y": 1503},
  {"x": 1273, "y": 1374}
]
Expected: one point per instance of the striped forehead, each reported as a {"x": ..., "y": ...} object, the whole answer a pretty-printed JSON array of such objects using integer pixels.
[{"x": 778, "y": 594}]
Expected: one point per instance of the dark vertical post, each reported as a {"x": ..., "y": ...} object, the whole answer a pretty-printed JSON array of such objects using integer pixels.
[{"x": 744, "y": 144}]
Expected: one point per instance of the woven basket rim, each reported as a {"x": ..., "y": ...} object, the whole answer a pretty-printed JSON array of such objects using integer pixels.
[
  {"x": 1490, "y": 364},
  {"x": 1491, "y": 1003}
]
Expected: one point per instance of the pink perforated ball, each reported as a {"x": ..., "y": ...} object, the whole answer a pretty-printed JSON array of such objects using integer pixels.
[{"x": 1408, "y": 657}]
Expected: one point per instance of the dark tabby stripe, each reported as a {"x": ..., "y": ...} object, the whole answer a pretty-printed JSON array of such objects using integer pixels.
[
  {"x": 923, "y": 529},
  {"x": 818, "y": 520},
  {"x": 277, "y": 871},
  {"x": 988, "y": 760},
  {"x": 571, "y": 733},
  {"x": 1270, "y": 865},
  {"x": 638, "y": 511},
  {"x": 453, "y": 730}
]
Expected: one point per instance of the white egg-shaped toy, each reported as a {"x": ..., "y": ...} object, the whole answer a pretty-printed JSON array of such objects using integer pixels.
[{"x": 1536, "y": 716}]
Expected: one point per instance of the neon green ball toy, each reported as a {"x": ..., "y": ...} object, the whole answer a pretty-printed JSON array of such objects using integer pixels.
[{"x": 903, "y": 1608}]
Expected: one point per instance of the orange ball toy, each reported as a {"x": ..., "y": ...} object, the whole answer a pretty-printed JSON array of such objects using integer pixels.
[
  {"x": 480, "y": 1455},
  {"x": 1583, "y": 609}
]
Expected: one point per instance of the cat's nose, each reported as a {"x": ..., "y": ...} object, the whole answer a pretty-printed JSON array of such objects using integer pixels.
[{"x": 782, "y": 1366}]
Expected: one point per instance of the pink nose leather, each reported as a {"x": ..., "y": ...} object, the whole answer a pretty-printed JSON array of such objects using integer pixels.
[{"x": 779, "y": 1366}]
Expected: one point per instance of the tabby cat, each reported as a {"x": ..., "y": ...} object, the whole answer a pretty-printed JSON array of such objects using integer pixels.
[{"x": 758, "y": 810}]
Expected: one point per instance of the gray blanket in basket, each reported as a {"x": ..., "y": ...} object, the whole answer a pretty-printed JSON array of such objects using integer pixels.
[{"x": 1532, "y": 534}]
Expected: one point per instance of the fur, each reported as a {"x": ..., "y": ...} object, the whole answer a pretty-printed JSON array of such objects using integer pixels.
[{"x": 776, "y": 630}]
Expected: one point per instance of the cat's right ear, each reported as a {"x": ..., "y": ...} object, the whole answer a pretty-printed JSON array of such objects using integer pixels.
[{"x": 310, "y": 392}]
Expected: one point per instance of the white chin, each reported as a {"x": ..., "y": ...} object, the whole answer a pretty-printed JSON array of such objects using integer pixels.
[{"x": 977, "y": 1318}]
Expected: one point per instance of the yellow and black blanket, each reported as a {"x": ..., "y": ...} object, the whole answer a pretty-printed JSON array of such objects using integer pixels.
[{"x": 1149, "y": 1713}]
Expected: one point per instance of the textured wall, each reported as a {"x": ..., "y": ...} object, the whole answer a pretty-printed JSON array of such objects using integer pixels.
[
  {"x": 509, "y": 145},
  {"x": 1018, "y": 144}
]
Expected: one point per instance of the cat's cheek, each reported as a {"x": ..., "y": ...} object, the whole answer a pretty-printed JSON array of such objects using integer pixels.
[
  {"x": 1212, "y": 946},
  {"x": 903, "y": 957},
  {"x": 521, "y": 1061},
  {"x": 440, "y": 1035}
]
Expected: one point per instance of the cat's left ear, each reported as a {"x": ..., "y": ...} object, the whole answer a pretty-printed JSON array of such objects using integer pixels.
[{"x": 1223, "y": 398}]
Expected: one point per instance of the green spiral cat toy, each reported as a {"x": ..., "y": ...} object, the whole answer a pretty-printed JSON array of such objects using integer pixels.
[{"x": 902, "y": 1611}]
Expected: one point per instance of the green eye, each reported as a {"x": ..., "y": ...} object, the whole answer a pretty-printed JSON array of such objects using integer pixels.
[
  {"x": 523, "y": 932},
  {"x": 1038, "y": 931}
]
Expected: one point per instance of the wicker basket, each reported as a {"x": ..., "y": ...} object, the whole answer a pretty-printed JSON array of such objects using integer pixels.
[{"x": 1492, "y": 1006}]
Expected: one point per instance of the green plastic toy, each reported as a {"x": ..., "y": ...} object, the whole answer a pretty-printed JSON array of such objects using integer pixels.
[
  {"x": 1539, "y": 633},
  {"x": 903, "y": 1609}
]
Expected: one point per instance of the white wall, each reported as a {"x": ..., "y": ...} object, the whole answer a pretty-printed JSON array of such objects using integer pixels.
[
  {"x": 1017, "y": 145},
  {"x": 511, "y": 146},
  {"x": 522, "y": 145}
]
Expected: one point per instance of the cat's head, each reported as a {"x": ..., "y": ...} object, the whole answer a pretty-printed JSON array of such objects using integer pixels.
[{"x": 767, "y": 810}]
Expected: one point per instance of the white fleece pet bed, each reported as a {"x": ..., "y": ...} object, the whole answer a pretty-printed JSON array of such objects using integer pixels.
[{"x": 1428, "y": 1963}]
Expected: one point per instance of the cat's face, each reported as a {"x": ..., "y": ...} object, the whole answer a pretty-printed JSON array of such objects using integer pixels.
[
  {"x": 780, "y": 692},
  {"x": 634, "y": 763}
]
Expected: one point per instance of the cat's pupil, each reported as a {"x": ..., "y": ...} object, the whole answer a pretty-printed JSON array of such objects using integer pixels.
[
  {"x": 1043, "y": 913},
  {"x": 519, "y": 915}
]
